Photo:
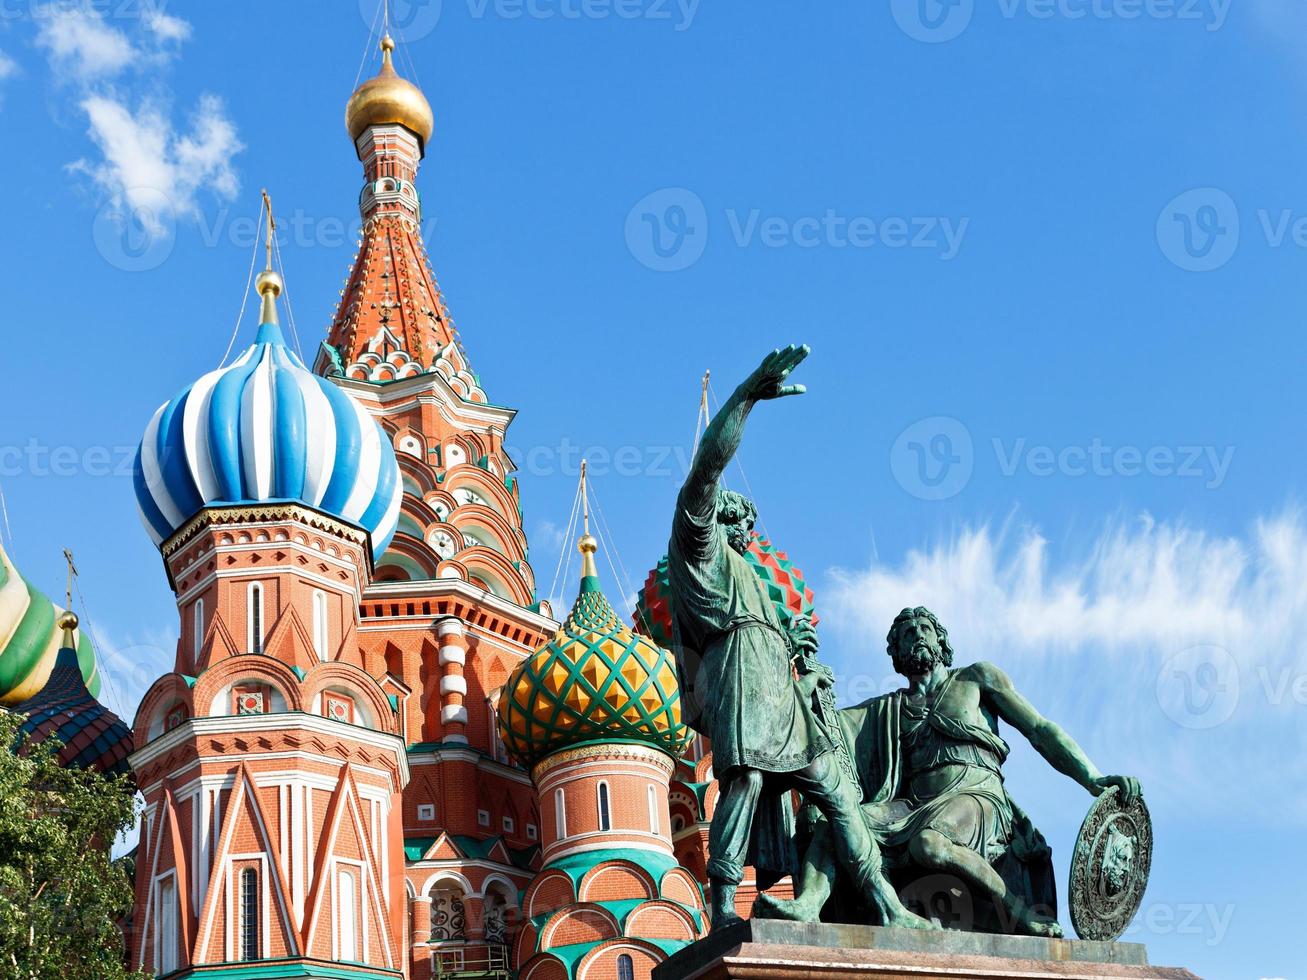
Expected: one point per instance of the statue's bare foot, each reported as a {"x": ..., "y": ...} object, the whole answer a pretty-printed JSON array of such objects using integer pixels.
[
  {"x": 1039, "y": 926},
  {"x": 901, "y": 918},
  {"x": 792, "y": 910},
  {"x": 1028, "y": 922}
]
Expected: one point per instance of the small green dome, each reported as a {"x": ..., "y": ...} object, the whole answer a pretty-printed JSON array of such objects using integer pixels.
[{"x": 596, "y": 680}]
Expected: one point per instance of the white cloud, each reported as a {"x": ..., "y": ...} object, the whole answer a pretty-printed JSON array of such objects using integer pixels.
[
  {"x": 8, "y": 67},
  {"x": 166, "y": 27},
  {"x": 152, "y": 170},
  {"x": 1164, "y": 647},
  {"x": 82, "y": 44}
]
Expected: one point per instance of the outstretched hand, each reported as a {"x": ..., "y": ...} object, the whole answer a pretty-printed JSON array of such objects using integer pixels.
[{"x": 768, "y": 380}]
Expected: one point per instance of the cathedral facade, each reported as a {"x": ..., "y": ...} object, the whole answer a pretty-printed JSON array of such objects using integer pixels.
[{"x": 379, "y": 753}]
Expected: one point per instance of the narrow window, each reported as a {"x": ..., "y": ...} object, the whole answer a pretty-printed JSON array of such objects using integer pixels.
[
  {"x": 560, "y": 813},
  {"x": 166, "y": 925},
  {"x": 347, "y": 931},
  {"x": 256, "y": 618},
  {"x": 605, "y": 817},
  {"x": 320, "y": 624},
  {"x": 198, "y": 628},
  {"x": 653, "y": 811},
  {"x": 249, "y": 915},
  {"x": 625, "y": 967}
]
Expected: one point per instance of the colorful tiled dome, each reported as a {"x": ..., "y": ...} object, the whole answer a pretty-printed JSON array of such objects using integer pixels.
[
  {"x": 92, "y": 736},
  {"x": 596, "y": 680},
  {"x": 267, "y": 429},
  {"x": 784, "y": 583},
  {"x": 30, "y": 639}
]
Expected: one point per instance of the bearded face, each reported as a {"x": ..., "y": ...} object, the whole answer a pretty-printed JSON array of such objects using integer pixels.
[
  {"x": 917, "y": 649},
  {"x": 736, "y": 515},
  {"x": 737, "y": 536}
]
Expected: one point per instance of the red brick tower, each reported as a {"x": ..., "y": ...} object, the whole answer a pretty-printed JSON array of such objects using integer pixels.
[{"x": 452, "y": 609}]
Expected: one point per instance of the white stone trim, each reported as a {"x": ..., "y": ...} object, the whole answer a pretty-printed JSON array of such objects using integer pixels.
[
  {"x": 453, "y": 684},
  {"x": 452, "y": 655},
  {"x": 299, "y": 720},
  {"x": 453, "y": 714},
  {"x": 450, "y": 627}
]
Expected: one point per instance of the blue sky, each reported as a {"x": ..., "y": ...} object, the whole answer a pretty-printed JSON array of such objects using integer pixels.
[{"x": 1048, "y": 254}]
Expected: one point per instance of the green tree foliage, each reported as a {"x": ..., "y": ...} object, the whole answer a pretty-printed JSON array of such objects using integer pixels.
[{"x": 62, "y": 897}]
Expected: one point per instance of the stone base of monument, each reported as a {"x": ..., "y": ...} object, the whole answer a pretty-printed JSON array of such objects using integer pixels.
[{"x": 761, "y": 949}]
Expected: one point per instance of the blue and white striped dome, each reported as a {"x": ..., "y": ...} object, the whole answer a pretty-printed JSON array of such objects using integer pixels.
[{"x": 267, "y": 429}]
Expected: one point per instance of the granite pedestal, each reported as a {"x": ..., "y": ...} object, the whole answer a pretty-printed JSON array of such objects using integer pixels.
[{"x": 761, "y": 949}]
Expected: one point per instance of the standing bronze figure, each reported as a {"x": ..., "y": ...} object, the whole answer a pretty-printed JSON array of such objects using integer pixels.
[{"x": 738, "y": 685}]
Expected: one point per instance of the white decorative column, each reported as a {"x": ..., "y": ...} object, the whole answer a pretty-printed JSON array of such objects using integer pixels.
[{"x": 453, "y": 684}]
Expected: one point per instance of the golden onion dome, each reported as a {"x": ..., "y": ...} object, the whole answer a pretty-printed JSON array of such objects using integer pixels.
[
  {"x": 596, "y": 680},
  {"x": 387, "y": 99}
]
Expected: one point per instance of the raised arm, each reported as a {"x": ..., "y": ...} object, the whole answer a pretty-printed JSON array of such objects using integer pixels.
[
  {"x": 1048, "y": 738},
  {"x": 722, "y": 438}
]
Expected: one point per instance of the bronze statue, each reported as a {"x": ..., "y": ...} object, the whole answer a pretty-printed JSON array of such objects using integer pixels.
[
  {"x": 738, "y": 686},
  {"x": 929, "y": 761}
]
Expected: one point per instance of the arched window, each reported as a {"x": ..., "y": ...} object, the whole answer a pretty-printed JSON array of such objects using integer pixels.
[
  {"x": 249, "y": 937},
  {"x": 256, "y": 618},
  {"x": 320, "y": 625},
  {"x": 560, "y": 813},
  {"x": 346, "y": 932},
  {"x": 197, "y": 628},
  {"x": 625, "y": 967},
  {"x": 653, "y": 811},
  {"x": 448, "y": 919},
  {"x": 605, "y": 811}
]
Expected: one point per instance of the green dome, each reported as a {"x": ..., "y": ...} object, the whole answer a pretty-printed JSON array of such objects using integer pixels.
[
  {"x": 30, "y": 639},
  {"x": 596, "y": 680}
]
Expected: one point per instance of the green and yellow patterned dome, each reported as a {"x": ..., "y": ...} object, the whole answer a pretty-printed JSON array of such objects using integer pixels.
[
  {"x": 595, "y": 681},
  {"x": 30, "y": 639}
]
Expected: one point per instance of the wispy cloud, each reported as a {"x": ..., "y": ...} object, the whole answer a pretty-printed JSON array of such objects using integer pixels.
[
  {"x": 148, "y": 166},
  {"x": 1166, "y": 647},
  {"x": 129, "y": 665},
  {"x": 81, "y": 44},
  {"x": 151, "y": 168},
  {"x": 166, "y": 27}
]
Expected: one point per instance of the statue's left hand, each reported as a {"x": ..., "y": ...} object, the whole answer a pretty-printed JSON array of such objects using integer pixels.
[{"x": 1127, "y": 785}]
